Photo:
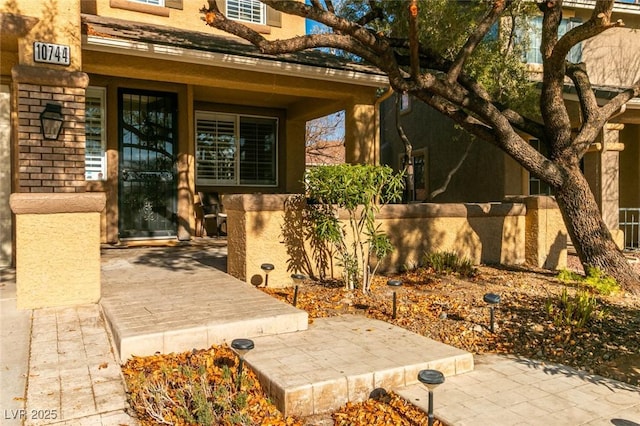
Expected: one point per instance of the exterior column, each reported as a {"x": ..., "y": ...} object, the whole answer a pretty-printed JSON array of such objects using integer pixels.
[
  {"x": 57, "y": 223},
  {"x": 57, "y": 248},
  {"x": 294, "y": 161},
  {"x": 361, "y": 130},
  {"x": 602, "y": 170}
]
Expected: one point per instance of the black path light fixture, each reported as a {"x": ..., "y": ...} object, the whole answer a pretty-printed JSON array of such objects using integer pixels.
[
  {"x": 297, "y": 279},
  {"x": 241, "y": 347},
  {"x": 395, "y": 284},
  {"x": 267, "y": 267},
  {"x": 431, "y": 379},
  {"x": 492, "y": 300},
  {"x": 51, "y": 121}
]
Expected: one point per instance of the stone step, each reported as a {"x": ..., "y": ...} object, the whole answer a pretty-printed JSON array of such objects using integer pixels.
[
  {"x": 206, "y": 309},
  {"x": 345, "y": 358}
]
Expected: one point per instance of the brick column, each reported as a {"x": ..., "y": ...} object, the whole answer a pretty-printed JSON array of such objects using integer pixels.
[
  {"x": 57, "y": 223},
  {"x": 49, "y": 165}
]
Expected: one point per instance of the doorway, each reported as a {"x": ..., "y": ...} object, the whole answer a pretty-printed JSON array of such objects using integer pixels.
[{"x": 147, "y": 135}]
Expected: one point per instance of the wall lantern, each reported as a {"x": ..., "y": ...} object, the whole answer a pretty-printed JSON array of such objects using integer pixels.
[{"x": 51, "y": 121}]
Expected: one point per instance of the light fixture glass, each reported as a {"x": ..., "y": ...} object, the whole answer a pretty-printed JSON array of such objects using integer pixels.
[{"x": 51, "y": 121}]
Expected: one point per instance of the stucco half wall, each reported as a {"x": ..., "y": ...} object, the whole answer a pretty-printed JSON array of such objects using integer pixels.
[
  {"x": 266, "y": 228},
  {"x": 57, "y": 248}
]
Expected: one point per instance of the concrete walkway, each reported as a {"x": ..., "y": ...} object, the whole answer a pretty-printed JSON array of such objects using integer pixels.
[
  {"x": 57, "y": 366},
  {"x": 518, "y": 391}
]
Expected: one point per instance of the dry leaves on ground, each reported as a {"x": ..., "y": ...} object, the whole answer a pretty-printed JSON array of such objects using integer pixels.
[{"x": 198, "y": 387}]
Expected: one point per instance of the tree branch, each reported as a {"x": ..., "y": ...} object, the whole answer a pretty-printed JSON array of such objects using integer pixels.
[
  {"x": 599, "y": 22},
  {"x": 414, "y": 43},
  {"x": 476, "y": 37},
  {"x": 588, "y": 104},
  {"x": 374, "y": 13}
]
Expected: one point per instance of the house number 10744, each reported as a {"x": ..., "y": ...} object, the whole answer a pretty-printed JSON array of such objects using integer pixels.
[{"x": 51, "y": 53}]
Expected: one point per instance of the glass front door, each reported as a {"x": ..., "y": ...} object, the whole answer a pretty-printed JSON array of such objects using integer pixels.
[{"x": 147, "y": 177}]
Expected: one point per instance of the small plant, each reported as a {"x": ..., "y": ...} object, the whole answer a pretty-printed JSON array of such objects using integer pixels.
[
  {"x": 574, "y": 311},
  {"x": 595, "y": 279},
  {"x": 196, "y": 388},
  {"x": 448, "y": 262},
  {"x": 360, "y": 190}
]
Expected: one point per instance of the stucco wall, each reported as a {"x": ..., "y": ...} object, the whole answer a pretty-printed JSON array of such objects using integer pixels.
[
  {"x": 188, "y": 17},
  {"x": 57, "y": 249},
  {"x": 270, "y": 229}
]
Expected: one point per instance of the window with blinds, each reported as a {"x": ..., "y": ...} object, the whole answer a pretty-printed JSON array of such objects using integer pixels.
[
  {"x": 235, "y": 150},
  {"x": 246, "y": 10},
  {"x": 96, "y": 138}
]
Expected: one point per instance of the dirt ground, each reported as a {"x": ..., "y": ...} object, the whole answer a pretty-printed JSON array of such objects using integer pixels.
[{"x": 450, "y": 309}]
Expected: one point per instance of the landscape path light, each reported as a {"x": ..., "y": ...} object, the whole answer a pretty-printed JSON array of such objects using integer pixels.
[
  {"x": 297, "y": 279},
  {"x": 241, "y": 347},
  {"x": 431, "y": 379},
  {"x": 492, "y": 300},
  {"x": 267, "y": 267},
  {"x": 395, "y": 284}
]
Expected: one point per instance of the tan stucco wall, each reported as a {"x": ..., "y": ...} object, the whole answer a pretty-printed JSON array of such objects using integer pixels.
[
  {"x": 613, "y": 57},
  {"x": 484, "y": 233},
  {"x": 58, "y": 22},
  {"x": 189, "y": 18},
  {"x": 57, "y": 249},
  {"x": 545, "y": 233},
  {"x": 267, "y": 229}
]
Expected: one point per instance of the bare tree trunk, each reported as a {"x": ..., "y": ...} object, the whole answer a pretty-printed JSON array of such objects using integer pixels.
[{"x": 590, "y": 234}]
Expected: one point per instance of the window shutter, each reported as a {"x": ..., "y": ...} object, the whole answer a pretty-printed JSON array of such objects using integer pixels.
[
  {"x": 274, "y": 17},
  {"x": 173, "y": 4}
]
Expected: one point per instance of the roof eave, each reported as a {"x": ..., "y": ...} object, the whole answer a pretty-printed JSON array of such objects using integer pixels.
[{"x": 270, "y": 66}]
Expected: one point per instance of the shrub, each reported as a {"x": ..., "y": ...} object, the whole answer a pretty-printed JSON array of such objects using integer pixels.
[
  {"x": 595, "y": 279},
  {"x": 360, "y": 190},
  {"x": 574, "y": 311},
  {"x": 448, "y": 262}
]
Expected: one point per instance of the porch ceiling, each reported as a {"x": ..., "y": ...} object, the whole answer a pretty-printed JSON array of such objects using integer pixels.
[{"x": 243, "y": 97}]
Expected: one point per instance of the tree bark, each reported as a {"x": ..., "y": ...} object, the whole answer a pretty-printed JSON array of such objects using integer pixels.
[{"x": 591, "y": 237}]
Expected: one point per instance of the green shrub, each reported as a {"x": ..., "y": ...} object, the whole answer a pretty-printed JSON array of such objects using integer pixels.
[
  {"x": 448, "y": 262},
  {"x": 359, "y": 244},
  {"x": 574, "y": 311},
  {"x": 595, "y": 279}
]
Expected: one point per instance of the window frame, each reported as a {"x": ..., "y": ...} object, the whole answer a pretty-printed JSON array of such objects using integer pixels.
[
  {"x": 159, "y": 3},
  {"x": 100, "y": 173},
  {"x": 251, "y": 4},
  {"x": 543, "y": 187},
  {"x": 237, "y": 138},
  {"x": 424, "y": 176},
  {"x": 533, "y": 35}
]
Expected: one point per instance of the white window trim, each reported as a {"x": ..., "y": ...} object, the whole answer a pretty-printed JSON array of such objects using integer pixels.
[
  {"x": 263, "y": 13},
  {"x": 101, "y": 174},
  {"x": 237, "y": 180},
  {"x": 150, "y": 2}
]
